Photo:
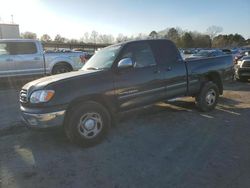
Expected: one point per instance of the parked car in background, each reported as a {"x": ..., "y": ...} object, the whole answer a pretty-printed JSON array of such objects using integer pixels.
[
  {"x": 117, "y": 79},
  {"x": 206, "y": 54},
  {"x": 241, "y": 54},
  {"x": 235, "y": 51},
  {"x": 23, "y": 57},
  {"x": 186, "y": 53},
  {"x": 88, "y": 54},
  {"x": 189, "y": 51},
  {"x": 61, "y": 50},
  {"x": 226, "y": 51},
  {"x": 242, "y": 69}
]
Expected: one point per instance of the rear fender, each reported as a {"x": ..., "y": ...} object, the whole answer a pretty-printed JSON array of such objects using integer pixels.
[
  {"x": 54, "y": 62},
  {"x": 214, "y": 77}
]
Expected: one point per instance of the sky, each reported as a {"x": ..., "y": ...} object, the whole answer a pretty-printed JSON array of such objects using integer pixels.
[{"x": 72, "y": 18}]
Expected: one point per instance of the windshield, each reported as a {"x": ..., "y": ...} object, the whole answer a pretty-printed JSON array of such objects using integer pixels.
[{"x": 103, "y": 59}]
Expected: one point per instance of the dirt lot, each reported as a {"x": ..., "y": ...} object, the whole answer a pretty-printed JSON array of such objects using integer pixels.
[{"x": 166, "y": 145}]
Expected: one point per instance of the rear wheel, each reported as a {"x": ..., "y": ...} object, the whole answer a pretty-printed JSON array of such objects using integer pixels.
[
  {"x": 62, "y": 68},
  {"x": 208, "y": 97},
  {"x": 88, "y": 124}
]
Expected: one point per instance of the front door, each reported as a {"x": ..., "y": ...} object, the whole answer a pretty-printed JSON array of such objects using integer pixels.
[{"x": 138, "y": 85}]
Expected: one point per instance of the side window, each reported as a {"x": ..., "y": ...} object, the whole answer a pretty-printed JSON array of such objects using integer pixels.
[
  {"x": 4, "y": 49},
  {"x": 19, "y": 48},
  {"x": 140, "y": 53},
  {"x": 143, "y": 56},
  {"x": 127, "y": 54}
]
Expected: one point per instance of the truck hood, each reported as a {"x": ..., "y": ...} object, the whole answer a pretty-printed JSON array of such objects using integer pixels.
[{"x": 42, "y": 82}]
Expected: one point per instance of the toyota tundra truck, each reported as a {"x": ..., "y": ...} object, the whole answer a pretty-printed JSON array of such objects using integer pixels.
[{"x": 117, "y": 79}]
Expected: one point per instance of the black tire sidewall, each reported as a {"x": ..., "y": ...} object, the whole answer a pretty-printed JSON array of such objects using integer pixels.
[
  {"x": 201, "y": 98},
  {"x": 71, "y": 128},
  {"x": 58, "y": 67}
]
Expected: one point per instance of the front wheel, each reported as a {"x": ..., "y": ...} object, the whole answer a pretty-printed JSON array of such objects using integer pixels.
[
  {"x": 88, "y": 123},
  {"x": 207, "y": 99}
]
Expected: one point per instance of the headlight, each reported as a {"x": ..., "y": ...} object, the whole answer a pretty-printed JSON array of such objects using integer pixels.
[{"x": 41, "y": 96}]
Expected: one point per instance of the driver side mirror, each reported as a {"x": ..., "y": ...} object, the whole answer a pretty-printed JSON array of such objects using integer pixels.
[{"x": 125, "y": 63}]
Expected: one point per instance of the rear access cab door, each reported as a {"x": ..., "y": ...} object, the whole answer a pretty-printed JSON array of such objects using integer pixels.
[
  {"x": 173, "y": 68},
  {"x": 141, "y": 84}
]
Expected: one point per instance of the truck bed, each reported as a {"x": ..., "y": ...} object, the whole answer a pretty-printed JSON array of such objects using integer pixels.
[{"x": 221, "y": 64}]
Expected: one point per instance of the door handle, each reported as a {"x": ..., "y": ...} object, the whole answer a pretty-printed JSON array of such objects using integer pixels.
[{"x": 168, "y": 68}]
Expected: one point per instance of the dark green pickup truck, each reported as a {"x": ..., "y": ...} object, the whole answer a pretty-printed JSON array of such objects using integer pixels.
[{"x": 117, "y": 79}]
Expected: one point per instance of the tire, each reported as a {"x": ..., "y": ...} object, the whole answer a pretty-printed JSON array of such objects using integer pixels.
[
  {"x": 58, "y": 69},
  {"x": 208, "y": 97},
  {"x": 87, "y": 124}
]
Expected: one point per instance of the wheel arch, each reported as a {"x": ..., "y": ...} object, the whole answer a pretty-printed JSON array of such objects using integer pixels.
[
  {"x": 100, "y": 99},
  {"x": 214, "y": 77},
  {"x": 65, "y": 63}
]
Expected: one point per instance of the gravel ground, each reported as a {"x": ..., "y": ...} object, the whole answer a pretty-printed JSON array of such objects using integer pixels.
[
  {"x": 9, "y": 109},
  {"x": 166, "y": 145}
]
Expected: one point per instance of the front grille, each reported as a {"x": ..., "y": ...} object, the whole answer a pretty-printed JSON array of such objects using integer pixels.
[
  {"x": 23, "y": 96},
  {"x": 246, "y": 64}
]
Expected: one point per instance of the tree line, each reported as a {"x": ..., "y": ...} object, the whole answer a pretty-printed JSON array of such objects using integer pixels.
[{"x": 183, "y": 39}]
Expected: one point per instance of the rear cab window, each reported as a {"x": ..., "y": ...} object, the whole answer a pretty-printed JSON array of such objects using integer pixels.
[{"x": 21, "y": 48}]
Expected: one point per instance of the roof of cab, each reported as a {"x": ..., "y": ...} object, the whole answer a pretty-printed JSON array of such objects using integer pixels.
[
  {"x": 135, "y": 41},
  {"x": 145, "y": 40}
]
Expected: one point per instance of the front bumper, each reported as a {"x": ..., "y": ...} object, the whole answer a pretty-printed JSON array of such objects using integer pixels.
[
  {"x": 43, "y": 120},
  {"x": 242, "y": 72}
]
